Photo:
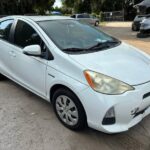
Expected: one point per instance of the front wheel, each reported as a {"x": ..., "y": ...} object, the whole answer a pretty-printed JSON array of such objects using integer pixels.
[
  {"x": 142, "y": 35},
  {"x": 135, "y": 28},
  {"x": 69, "y": 109}
]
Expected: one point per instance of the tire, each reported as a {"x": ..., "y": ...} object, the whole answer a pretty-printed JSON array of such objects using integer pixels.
[
  {"x": 135, "y": 28},
  {"x": 97, "y": 23},
  {"x": 74, "y": 117},
  {"x": 142, "y": 35},
  {"x": 2, "y": 77}
]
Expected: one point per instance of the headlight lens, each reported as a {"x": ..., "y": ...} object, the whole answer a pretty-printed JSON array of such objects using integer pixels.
[{"x": 105, "y": 84}]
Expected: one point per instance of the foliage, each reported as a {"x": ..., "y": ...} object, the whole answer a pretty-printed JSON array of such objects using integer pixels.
[
  {"x": 96, "y": 6},
  {"x": 43, "y": 5},
  {"x": 10, "y": 7}
]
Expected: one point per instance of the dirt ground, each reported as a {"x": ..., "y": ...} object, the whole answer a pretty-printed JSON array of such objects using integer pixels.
[
  {"x": 123, "y": 32},
  {"x": 28, "y": 123}
]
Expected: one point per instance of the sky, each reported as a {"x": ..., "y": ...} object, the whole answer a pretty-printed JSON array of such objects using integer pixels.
[{"x": 58, "y": 3}]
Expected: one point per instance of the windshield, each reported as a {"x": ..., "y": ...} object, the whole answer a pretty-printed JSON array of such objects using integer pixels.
[{"x": 76, "y": 36}]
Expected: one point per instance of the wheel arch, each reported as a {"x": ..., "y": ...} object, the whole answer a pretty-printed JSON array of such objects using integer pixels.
[
  {"x": 58, "y": 86},
  {"x": 55, "y": 87}
]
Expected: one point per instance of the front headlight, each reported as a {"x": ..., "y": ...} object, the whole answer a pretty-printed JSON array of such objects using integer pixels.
[{"x": 105, "y": 84}]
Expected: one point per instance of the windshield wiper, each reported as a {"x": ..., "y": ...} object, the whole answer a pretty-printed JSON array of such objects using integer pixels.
[
  {"x": 112, "y": 42},
  {"x": 73, "y": 49},
  {"x": 102, "y": 45},
  {"x": 95, "y": 47},
  {"x": 98, "y": 46}
]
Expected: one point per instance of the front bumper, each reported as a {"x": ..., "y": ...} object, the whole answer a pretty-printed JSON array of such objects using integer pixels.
[
  {"x": 130, "y": 108},
  {"x": 145, "y": 28},
  {"x": 145, "y": 31}
]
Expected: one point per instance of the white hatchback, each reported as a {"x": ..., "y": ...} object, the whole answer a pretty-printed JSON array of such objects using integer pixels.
[{"x": 90, "y": 77}]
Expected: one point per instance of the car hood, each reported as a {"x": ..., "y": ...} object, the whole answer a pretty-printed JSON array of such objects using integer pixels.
[{"x": 123, "y": 62}]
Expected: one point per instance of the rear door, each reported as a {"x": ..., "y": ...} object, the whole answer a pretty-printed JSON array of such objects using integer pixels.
[{"x": 5, "y": 47}]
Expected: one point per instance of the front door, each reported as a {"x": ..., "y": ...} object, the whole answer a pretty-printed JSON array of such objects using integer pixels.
[{"x": 27, "y": 70}]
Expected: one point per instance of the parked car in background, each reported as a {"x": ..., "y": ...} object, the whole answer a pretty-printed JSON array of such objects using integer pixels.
[
  {"x": 90, "y": 77},
  {"x": 86, "y": 18},
  {"x": 137, "y": 22},
  {"x": 145, "y": 28}
]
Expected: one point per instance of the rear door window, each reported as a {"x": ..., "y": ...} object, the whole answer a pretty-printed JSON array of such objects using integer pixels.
[{"x": 5, "y": 28}]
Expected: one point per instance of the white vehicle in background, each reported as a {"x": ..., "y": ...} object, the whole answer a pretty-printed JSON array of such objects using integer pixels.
[
  {"x": 137, "y": 22},
  {"x": 90, "y": 77},
  {"x": 145, "y": 28},
  {"x": 86, "y": 18}
]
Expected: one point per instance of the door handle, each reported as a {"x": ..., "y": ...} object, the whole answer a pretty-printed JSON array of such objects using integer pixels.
[{"x": 12, "y": 53}]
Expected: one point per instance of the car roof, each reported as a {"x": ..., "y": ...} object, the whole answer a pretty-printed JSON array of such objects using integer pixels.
[
  {"x": 40, "y": 18},
  {"x": 83, "y": 14}
]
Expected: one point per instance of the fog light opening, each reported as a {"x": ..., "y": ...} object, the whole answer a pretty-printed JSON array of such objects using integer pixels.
[{"x": 109, "y": 118}]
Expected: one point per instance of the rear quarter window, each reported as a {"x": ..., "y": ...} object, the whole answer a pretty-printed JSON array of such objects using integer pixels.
[{"x": 5, "y": 27}]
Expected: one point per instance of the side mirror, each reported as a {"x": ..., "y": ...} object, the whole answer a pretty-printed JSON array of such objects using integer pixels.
[{"x": 33, "y": 50}]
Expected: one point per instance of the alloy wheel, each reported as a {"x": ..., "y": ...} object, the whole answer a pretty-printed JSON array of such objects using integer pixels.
[{"x": 67, "y": 110}]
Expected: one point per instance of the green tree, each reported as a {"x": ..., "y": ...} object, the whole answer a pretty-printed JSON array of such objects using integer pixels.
[
  {"x": 41, "y": 6},
  {"x": 68, "y": 3},
  {"x": 78, "y": 6},
  {"x": 10, "y": 7}
]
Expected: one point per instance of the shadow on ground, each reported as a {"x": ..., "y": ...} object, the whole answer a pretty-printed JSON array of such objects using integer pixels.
[{"x": 27, "y": 122}]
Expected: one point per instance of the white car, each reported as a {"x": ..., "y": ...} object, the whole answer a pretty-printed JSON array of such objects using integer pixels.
[
  {"x": 86, "y": 18},
  {"x": 145, "y": 26},
  {"x": 91, "y": 78},
  {"x": 137, "y": 22}
]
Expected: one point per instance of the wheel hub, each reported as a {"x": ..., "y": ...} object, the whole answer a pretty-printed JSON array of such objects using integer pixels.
[{"x": 67, "y": 110}]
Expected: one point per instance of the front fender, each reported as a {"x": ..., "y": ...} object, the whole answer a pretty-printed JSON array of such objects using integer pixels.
[{"x": 54, "y": 77}]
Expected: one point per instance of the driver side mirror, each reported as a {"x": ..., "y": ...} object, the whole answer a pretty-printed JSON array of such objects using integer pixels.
[{"x": 33, "y": 50}]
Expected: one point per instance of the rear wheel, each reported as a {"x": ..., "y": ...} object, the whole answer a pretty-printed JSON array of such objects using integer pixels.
[
  {"x": 97, "y": 23},
  {"x": 69, "y": 109}
]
